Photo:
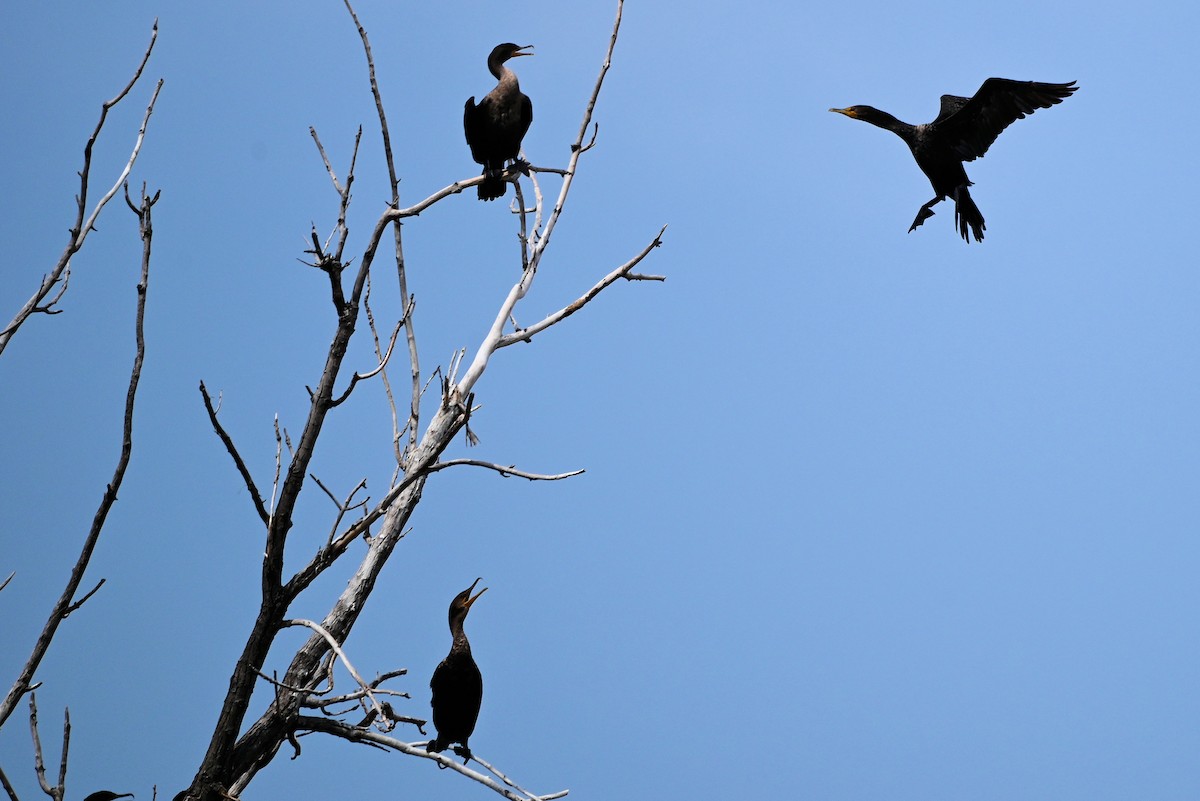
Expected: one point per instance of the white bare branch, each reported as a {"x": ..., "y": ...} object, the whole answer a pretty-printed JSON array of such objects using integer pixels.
[
  {"x": 137, "y": 148},
  {"x": 337, "y": 649},
  {"x": 510, "y": 470},
  {"x": 36, "y": 304},
  {"x": 624, "y": 271},
  {"x": 418, "y": 749},
  {"x": 514, "y": 785}
]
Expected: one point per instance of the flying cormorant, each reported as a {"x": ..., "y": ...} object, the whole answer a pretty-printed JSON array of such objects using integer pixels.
[{"x": 963, "y": 131}]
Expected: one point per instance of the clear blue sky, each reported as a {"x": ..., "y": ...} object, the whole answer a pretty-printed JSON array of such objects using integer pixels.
[{"x": 868, "y": 514}]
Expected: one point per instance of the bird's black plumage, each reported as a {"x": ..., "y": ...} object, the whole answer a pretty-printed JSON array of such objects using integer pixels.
[
  {"x": 107, "y": 795},
  {"x": 496, "y": 126},
  {"x": 963, "y": 131},
  {"x": 456, "y": 684}
]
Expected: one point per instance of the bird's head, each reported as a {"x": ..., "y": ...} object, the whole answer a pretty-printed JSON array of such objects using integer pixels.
[
  {"x": 463, "y": 601},
  {"x": 503, "y": 52}
]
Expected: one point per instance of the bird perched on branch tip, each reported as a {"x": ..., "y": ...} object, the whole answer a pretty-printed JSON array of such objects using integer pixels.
[
  {"x": 496, "y": 126},
  {"x": 457, "y": 684}
]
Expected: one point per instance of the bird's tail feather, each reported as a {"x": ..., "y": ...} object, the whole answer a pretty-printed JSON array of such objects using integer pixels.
[
  {"x": 967, "y": 216},
  {"x": 493, "y": 185}
]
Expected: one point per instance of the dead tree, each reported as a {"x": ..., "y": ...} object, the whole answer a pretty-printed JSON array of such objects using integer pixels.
[
  {"x": 439, "y": 406},
  {"x": 238, "y": 750}
]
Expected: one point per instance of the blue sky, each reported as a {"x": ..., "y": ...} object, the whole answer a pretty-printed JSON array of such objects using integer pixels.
[{"x": 867, "y": 514}]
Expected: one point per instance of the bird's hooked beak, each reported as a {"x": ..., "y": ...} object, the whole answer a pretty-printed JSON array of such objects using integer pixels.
[
  {"x": 473, "y": 598},
  {"x": 849, "y": 112},
  {"x": 519, "y": 53}
]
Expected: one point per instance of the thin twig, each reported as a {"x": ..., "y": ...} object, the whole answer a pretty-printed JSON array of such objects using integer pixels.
[
  {"x": 525, "y": 334},
  {"x": 360, "y": 693},
  {"x": 83, "y": 600},
  {"x": 337, "y": 649},
  {"x": 410, "y": 334},
  {"x": 513, "y": 784},
  {"x": 383, "y": 374},
  {"x": 81, "y": 228},
  {"x": 354, "y": 379},
  {"x": 278, "y": 466},
  {"x": 504, "y": 471},
  {"x": 8, "y": 788},
  {"x": 227, "y": 441}
]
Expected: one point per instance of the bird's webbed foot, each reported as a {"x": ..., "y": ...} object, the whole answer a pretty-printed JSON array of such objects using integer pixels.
[
  {"x": 924, "y": 213},
  {"x": 522, "y": 165},
  {"x": 463, "y": 752}
]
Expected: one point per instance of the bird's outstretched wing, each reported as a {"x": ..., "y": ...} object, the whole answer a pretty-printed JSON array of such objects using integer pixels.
[{"x": 970, "y": 125}]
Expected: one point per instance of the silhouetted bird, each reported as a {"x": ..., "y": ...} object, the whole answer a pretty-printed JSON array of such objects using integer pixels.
[
  {"x": 497, "y": 125},
  {"x": 107, "y": 795},
  {"x": 963, "y": 131},
  {"x": 456, "y": 684}
]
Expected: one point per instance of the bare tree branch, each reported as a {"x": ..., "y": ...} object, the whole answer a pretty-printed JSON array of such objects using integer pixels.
[
  {"x": 414, "y": 415},
  {"x": 58, "y": 790},
  {"x": 337, "y": 649},
  {"x": 83, "y": 600},
  {"x": 323, "y": 703},
  {"x": 79, "y": 232},
  {"x": 251, "y": 487},
  {"x": 514, "y": 785},
  {"x": 359, "y": 735},
  {"x": 383, "y": 374},
  {"x": 278, "y": 466},
  {"x": 342, "y": 506},
  {"x": 505, "y": 471},
  {"x": 66, "y": 603},
  {"x": 354, "y": 379},
  {"x": 8, "y": 788},
  {"x": 526, "y": 334}
]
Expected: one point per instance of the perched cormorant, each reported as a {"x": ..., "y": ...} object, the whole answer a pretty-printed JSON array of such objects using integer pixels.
[
  {"x": 496, "y": 126},
  {"x": 963, "y": 131},
  {"x": 456, "y": 684}
]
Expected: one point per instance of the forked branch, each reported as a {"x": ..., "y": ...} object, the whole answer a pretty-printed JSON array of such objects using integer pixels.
[
  {"x": 624, "y": 271},
  {"x": 37, "y": 303},
  {"x": 505, "y": 788}
]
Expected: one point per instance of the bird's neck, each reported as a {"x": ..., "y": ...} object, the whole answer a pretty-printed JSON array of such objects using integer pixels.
[
  {"x": 882, "y": 119},
  {"x": 460, "y": 636},
  {"x": 504, "y": 75},
  {"x": 461, "y": 644}
]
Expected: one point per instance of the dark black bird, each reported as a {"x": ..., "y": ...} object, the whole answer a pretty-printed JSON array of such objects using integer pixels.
[
  {"x": 107, "y": 795},
  {"x": 497, "y": 125},
  {"x": 456, "y": 683},
  {"x": 963, "y": 131}
]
